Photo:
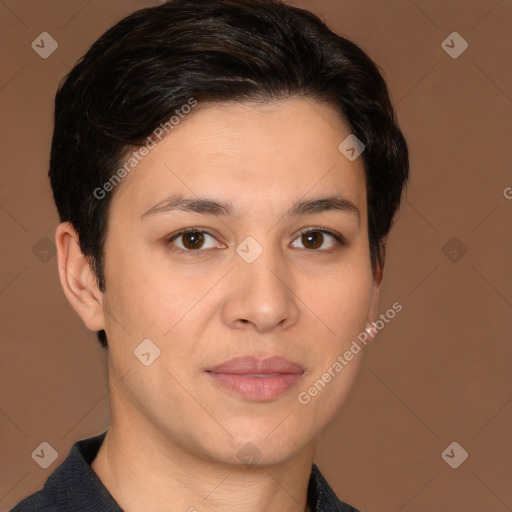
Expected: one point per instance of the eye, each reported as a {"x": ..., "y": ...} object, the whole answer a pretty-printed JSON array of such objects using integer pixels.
[
  {"x": 193, "y": 239},
  {"x": 315, "y": 238}
]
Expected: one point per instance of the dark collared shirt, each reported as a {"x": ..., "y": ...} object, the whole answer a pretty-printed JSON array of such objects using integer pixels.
[{"x": 75, "y": 487}]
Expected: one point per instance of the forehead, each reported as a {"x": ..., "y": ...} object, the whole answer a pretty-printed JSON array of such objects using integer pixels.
[{"x": 258, "y": 154}]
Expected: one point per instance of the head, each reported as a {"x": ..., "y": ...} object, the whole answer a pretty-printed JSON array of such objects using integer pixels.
[{"x": 225, "y": 116}]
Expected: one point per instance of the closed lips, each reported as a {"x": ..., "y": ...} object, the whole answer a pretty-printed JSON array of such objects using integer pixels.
[{"x": 253, "y": 367}]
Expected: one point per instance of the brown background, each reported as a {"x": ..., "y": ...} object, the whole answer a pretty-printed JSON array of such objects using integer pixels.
[{"x": 439, "y": 372}]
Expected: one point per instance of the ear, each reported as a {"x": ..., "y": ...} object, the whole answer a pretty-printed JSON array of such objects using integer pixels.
[
  {"x": 378, "y": 274},
  {"x": 77, "y": 278}
]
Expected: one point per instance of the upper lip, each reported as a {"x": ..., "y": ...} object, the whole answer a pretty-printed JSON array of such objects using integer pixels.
[{"x": 252, "y": 365}]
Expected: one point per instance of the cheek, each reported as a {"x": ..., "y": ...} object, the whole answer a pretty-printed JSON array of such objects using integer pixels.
[
  {"x": 341, "y": 300},
  {"x": 138, "y": 297},
  {"x": 341, "y": 303}
]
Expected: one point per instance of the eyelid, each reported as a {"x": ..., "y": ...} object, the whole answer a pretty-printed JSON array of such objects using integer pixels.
[{"x": 303, "y": 231}]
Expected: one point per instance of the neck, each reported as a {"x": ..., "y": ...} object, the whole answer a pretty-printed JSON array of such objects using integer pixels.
[{"x": 142, "y": 471}]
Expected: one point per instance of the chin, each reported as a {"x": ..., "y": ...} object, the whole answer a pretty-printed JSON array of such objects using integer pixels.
[{"x": 251, "y": 450}]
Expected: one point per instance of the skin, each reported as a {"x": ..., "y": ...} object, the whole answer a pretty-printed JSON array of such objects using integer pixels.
[{"x": 174, "y": 434}]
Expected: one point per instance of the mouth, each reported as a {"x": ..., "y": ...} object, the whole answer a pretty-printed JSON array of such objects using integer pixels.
[{"x": 257, "y": 379}]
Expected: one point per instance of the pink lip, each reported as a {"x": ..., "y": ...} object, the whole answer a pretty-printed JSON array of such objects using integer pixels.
[{"x": 257, "y": 379}]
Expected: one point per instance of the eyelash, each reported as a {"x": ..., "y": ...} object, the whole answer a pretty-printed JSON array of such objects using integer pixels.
[{"x": 340, "y": 241}]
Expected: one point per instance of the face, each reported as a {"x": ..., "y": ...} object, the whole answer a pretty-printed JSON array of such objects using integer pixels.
[{"x": 250, "y": 307}]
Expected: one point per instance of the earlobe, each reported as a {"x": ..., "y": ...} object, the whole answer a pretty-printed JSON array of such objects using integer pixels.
[
  {"x": 77, "y": 278},
  {"x": 378, "y": 274}
]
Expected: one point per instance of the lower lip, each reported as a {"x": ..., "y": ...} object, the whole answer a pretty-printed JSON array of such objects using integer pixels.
[{"x": 260, "y": 389}]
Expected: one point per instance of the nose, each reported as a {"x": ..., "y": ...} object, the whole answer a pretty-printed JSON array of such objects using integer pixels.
[{"x": 261, "y": 294}]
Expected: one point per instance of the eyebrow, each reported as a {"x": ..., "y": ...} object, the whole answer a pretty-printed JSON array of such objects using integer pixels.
[{"x": 213, "y": 207}]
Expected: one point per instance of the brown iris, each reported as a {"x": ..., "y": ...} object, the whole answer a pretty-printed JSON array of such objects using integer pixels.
[
  {"x": 193, "y": 240},
  {"x": 313, "y": 239}
]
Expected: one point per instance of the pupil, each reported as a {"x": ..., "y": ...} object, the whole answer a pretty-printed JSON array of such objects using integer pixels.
[
  {"x": 314, "y": 239},
  {"x": 193, "y": 240}
]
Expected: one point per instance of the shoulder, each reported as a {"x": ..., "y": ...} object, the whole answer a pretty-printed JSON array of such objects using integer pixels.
[
  {"x": 72, "y": 484},
  {"x": 39, "y": 501}
]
